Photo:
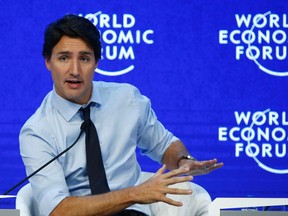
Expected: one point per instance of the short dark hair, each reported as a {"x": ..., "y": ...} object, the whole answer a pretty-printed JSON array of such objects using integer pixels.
[{"x": 75, "y": 27}]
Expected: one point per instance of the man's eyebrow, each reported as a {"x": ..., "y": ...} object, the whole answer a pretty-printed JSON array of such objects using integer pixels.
[
  {"x": 86, "y": 53},
  {"x": 63, "y": 52},
  {"x": 81, "y": 52}
]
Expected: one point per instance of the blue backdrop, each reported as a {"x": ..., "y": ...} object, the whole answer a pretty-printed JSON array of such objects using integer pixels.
[{"x": 215, "y": 71}]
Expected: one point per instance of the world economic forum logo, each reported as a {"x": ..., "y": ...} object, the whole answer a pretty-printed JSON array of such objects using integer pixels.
[
  {"x": 261, "y": 38},
  {"x": 119, "y": 36},
  {"x": 261, "y": 135}
]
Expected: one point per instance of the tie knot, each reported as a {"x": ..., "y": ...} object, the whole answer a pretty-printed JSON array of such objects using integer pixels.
[
  {"x": 86, "y": 113},
  {"x": 86, "y": 117}
]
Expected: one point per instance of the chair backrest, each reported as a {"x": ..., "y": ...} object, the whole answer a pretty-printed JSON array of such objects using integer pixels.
[{"x": 24, "y": 201}]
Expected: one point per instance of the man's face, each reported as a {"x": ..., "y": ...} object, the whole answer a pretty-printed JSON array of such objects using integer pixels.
[{"x": 72, "y": 65}]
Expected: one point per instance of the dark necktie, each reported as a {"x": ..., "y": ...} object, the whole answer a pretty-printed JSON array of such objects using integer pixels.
[{"x": 96, "y": 173}]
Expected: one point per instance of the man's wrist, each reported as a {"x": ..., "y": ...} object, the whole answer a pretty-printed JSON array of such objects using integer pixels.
[{"x": 185, "y": 157}]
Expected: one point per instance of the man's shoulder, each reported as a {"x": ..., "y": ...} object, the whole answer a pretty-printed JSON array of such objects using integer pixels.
[
  {"x": 114, "y": 86},
  {"x": 104, "y": 84},
  {"x": 42, "y": 112},
  {"x": 117, "y": 93}
]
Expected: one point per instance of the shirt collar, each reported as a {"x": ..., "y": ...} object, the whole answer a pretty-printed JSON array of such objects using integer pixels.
[{"x": 68, "y": 109}]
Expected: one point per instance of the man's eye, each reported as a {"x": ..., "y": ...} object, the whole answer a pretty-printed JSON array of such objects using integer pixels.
[
  {"x": 85, "y": 59},
  {"x": 63, "y": 58}
]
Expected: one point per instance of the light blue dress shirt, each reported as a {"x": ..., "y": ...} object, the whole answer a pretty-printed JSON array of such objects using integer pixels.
[{"x": 123, "y": 119}]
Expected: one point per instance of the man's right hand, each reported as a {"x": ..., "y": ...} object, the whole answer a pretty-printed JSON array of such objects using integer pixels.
[{"x": 157, "y": 187}]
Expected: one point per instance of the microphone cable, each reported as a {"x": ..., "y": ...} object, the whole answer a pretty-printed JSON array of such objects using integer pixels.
[{"x": 46, "y": 164}]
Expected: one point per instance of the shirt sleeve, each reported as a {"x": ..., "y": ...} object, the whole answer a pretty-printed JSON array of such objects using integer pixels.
[
  {"x": 48, "y": 185},
  {"x": 153, "y": 137}
]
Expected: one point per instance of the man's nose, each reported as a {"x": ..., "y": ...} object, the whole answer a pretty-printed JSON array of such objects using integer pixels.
[{"x": 75, "y": 68}]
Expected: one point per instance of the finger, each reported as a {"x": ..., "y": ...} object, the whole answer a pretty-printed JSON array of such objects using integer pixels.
[
  {"x": 178, "y": 191},
  {"x": 217, "y": 166},
  {"x": 177, "y": 172},
  {"x": 178, "y": 179},
  {"x": 161, "y": 170},
  {"x": 208, "y": 162},
  {"x": 172, "y": 202},
  {"x": 207, "y": 169}
]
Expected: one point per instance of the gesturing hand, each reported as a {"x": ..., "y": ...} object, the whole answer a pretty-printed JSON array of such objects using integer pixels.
[
  {"x": 157, "y": 187},
  {"x": 200, "y": 167}
]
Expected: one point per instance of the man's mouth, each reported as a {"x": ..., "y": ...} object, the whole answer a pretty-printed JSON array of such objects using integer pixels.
[{"x": 74, "y": 83}]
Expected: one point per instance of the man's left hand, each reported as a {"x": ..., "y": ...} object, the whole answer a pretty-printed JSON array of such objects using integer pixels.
[{"x": 200, "y": 167}]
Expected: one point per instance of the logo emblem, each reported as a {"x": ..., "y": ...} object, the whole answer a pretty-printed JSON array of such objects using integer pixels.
[
  {"x": 260, "y": 135},
  {"x": 119, "y": 37},
  {"x": 261, "y": 38}
]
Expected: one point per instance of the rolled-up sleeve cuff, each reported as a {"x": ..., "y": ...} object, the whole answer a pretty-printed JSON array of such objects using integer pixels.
[{"x": 45, "y": 207}]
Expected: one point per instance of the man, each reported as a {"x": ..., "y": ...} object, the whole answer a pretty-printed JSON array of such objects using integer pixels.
[{"x": 123, "y": 119}]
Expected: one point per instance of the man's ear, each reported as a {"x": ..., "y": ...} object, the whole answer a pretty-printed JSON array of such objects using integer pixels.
[
  {"x": 47, "y": 63},
  {"x": 96, "y": 65}
]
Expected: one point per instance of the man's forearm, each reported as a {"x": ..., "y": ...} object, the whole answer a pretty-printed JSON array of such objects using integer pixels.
[
  {"x": 104, "y": 204},
  {"x": 172, "y": 155}
]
